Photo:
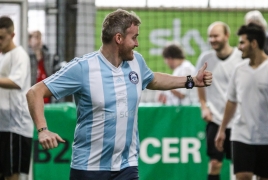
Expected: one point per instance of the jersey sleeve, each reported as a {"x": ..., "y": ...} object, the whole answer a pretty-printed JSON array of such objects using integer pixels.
[
  {"x": 231, "y": 91},
  {"x": 68, "y": 80},
  {"x": 19, "y": 68},
  {"x": 146, "y": 73}
]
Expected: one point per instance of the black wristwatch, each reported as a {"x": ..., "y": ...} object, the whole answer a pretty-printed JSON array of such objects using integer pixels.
[{"x": 189, "y": 83}]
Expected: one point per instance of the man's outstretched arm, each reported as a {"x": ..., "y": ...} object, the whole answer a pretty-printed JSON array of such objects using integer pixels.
[{"x": 164, "y": 81}]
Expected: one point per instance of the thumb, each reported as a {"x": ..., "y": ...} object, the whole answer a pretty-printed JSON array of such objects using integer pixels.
[
  {"x": 59, "y": 139},
  {"x": 204, "y": 67}
]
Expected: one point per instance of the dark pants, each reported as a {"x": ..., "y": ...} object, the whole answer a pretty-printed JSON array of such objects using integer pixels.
[
  {"x": 250, "y": 158},
  {"x": 15, "y": 153},
  {"x": 129, "y": 173},
  {"x": 212, "y": 152}
]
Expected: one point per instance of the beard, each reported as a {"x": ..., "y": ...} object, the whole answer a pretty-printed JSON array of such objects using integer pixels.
[
  {"x": 126, "y": 53},
  {"x": 3, "y": 47},
  {"x": 247, "y": 53},
  {"x": 244, "y": 56},
  {"x": 220, "y": 46}
]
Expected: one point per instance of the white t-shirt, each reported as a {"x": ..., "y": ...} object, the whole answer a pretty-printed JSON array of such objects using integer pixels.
[
  {"x": 249, "y": 88},
  {"x": 185, "y": 69},
  {"x": 216, "y": 94},
  {"x": 14, "y": 113}
]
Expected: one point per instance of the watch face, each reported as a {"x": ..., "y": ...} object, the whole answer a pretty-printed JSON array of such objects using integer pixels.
[{"x": 190, "y": 84}]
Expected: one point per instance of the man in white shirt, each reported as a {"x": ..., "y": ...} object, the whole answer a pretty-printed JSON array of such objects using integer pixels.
[
  {"x": 221, "y": 61},
  {"x": 16, "y": 125},
  {"x": 248, "y": 91},
  {"x": 175, "y": 59}
]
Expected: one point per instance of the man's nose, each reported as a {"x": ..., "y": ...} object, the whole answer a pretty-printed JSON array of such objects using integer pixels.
[
  {"x": 212, "y": 39},
  {"x": 136, "y": 44}
]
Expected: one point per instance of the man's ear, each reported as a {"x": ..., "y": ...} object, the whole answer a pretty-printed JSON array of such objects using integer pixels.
[
  {"x": 118, "y": 38},
  {"x": 227, "y": 35},
  {"x": 254, "y": 44},
  {"x": 12, "y": 35}
]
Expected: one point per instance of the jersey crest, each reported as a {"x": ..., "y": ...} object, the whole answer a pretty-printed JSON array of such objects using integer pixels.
[{"x": 133, "y": 77}]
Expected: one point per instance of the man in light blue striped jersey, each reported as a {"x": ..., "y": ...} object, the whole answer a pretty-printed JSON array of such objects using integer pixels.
[{"x": 107, "y": 86}]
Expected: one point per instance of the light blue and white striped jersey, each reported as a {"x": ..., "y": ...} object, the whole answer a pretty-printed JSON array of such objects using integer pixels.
[{"x": 107, "y": 98}]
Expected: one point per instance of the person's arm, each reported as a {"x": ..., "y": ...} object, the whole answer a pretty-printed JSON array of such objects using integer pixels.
[
  {"x": 202, "y": 97},
  {"x": 164, "y": 81},
  {"x": 161, "y": 97},
  {"x": 206, "y": 113},
  {"x": 230, "y": 109},
  {"x": 8, "y": 84},
  {"x": 35, "y": 101},
  {"x": 178, "y": 94}
]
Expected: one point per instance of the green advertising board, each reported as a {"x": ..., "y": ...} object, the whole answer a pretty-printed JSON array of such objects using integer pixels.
[
  {"x": 55, "y": 164},
  {"x": 172, "y": 144},
  {"x": 188, "y": 27}
]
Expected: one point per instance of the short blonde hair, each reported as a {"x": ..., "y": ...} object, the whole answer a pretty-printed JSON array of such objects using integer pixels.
[
  {"x": 36, "y": 33},
  {"x": 226, "y": 28}
]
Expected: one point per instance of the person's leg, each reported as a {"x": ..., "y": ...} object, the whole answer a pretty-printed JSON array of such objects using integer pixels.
[
  {"x": 244, "y": 160},
  {"x": 228, "y": 152},
  {"x": 2, "y": 177},
  {"x": 262, "y": 162},
  {"x": 25, "y": 151},
  {"x": 244, "y": 176},
  {"x": 5, "y": 154},
  {"x": 215, "y": 156},
  {"x": 13, "y": 177},
  {"x": 18, "y": 153},
  {"x": 129, "y": 173},
  {"x": 2, "y": 154},
  {"x": 227, "y": 145},
  {"x": 214, "y": 169}
]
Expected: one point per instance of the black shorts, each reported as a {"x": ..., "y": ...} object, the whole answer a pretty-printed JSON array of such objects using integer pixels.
[
  {"x": 15, "y": 153},
  {"x": 212, "y": 152},
  {"x": 129, "y": 173},
  {"x": 250, "y": 158}
]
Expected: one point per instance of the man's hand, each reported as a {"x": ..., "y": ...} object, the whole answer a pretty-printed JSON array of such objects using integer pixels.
[
  {"x": 162, "y": 98},
  {"x": 219, "y": 140},
  {"x": 206, "y": 114},
  {"x": 203, "y": 77},
  {"x": 49, "y": 140}
]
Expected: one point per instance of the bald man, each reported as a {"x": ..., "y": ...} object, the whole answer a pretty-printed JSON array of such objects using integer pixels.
[{"x": 221, "y": 59}]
